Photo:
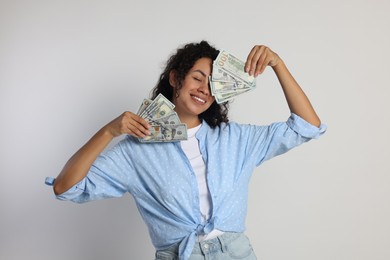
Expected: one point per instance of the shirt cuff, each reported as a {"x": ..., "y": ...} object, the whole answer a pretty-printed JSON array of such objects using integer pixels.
[
  {"x": 49, "y": 181},
  {"x": 70, "y": 194},
  {"x": 304, "y": 128}
]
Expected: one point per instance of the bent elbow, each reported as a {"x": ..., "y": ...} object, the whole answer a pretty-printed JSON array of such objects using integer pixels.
[
  {"x": 313, "y": 120},
  {"x": 317, "y": 123},
  {"x": 58, "y": 188}
]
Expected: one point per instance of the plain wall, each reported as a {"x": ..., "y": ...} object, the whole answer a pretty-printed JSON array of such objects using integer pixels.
[{"x": 69, "y": 67}]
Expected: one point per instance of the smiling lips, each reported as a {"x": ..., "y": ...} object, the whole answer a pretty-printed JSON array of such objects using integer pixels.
[{"x": 198, "y": 99}]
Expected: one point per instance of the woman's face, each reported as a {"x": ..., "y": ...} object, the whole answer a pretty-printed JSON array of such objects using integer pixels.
[{"x": 195, "y": 95}]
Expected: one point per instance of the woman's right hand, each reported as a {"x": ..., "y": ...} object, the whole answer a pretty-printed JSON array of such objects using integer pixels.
[{"x": 128, "y": 123}]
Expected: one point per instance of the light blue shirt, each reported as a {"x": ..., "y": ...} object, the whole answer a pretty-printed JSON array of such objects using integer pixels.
[{"x": 160, "y": 178}]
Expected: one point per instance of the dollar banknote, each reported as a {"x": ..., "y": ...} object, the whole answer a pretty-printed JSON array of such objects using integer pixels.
[
  {"x": 226, "y": 96},
  {"x": 234, "y": 67},
  {"x": 171, "y": 119},
  {"x": 224, "y": 87},
  {"x": 145, "y": 103},
  {"x": 229, "y": 78},
  {"x": 159, "y": 107},
  {"x": 165, "y": 123},
  {"x": 221, "y": 76},
  {"x": 166, "y": 133}
]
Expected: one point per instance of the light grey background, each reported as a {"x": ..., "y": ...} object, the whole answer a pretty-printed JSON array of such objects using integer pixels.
[{"x": 69, "y": 67}]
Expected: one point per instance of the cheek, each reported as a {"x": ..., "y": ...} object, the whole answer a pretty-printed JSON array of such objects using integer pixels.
[{"x": 211, "y": 103}]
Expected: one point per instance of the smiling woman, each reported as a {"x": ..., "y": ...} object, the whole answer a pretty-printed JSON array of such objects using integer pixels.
[
  {"x": 194, "y": 97},
  {"x": 177, "y": 72},
  {"x": 191, "y": 194}
]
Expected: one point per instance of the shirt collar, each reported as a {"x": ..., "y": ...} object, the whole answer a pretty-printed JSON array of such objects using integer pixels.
[{"x": 204, "y": 128}]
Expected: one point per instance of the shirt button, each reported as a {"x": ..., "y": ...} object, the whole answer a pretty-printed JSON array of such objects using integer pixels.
[{"x": 206, "y": 246}]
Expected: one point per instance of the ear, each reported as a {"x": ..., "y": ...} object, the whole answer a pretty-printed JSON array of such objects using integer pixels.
[{"x": 172, "y": 78}]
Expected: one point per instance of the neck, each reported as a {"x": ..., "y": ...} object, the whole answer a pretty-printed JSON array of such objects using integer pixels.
[{"x": 191, "y": 122}]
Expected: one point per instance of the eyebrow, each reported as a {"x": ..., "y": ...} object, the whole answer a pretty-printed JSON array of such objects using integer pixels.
[{"x": 201, "y": 72}]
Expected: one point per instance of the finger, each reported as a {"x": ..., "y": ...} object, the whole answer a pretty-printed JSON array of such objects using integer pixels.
[
  {"x": 140, "y": 127},
  {"x": 253, "y": 58},
  {"x": 260, "y": 63},
  {"x": 145, "y": 123},
  {"x": 265, "y": 64},
  {"x": 265, "y": 61},
  {"x": 248, "y": 62},
  {"x": 134, "y": 125},
  {"x": 258, "y": 60},
  {"x": 136, "y": 131},
  {"x": 139, "y": 120}
]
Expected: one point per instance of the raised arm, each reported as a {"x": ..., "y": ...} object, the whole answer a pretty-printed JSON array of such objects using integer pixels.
[
  {"x": 259, "y": 58},
  {"x": 79, "y": 164}
]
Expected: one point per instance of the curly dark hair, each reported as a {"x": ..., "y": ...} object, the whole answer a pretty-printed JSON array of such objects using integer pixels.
[{"x": 181, "y": 62}]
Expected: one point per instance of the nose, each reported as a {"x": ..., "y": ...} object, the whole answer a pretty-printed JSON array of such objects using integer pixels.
[{"x": 205, "y": 88}]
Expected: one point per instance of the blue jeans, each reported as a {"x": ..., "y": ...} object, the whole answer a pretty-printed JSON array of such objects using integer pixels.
[{"x": 227, "y": 246}]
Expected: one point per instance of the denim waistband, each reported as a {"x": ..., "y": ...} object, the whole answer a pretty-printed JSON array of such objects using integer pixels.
[{"x": 218, "y": 243}]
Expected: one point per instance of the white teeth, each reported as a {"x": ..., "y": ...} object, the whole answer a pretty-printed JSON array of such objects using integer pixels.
[{"x": 201, "y": 100}]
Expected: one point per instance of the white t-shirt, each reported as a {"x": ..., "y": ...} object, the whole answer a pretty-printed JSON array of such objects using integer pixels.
[{"x": 192, "y": 151}]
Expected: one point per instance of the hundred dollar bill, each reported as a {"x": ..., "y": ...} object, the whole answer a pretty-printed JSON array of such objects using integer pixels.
[
  {"x": 229, "y": 78},
  {"x": 223, "y": 97},
  {"x": 224, "y": 87},
  {"x": 234, "y": 67},
  {"x": 220, "y": 75},
  {"x": 171, "y": 119},
  {"x": 166, "y": 125},
  {"x": 145, "y": 103},
  {"x": 166, "y": 133},
  {"x": 158, "y": 101},
  {"x": 160, "y": 107}
]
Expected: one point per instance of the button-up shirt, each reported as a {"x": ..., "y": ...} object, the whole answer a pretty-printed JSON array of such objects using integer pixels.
[{"x": 160, "y": 178}]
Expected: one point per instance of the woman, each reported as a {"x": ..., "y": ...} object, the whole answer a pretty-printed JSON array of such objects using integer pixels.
[{"x": 191, "y": 194}]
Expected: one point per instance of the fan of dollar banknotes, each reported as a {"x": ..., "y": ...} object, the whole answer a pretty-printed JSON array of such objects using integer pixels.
[
  {"x": 229, "y": 78},
  {"x": 164, "y": 121},
  {"x": 227, "y": 81}
]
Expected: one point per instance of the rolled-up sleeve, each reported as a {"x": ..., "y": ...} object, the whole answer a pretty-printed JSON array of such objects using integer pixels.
[
  {"x": 266, "y": 142},
  {"x": 108, "y": 177},
  {"x": 304, "y": 128}
]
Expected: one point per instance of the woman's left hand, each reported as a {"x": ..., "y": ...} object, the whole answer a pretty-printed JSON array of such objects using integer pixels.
[{"x": 259, "y": 58}]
